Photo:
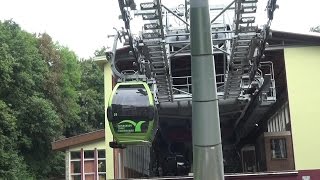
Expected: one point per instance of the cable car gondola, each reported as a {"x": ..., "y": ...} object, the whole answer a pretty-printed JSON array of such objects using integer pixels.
[{"x": 132, "y": 113}]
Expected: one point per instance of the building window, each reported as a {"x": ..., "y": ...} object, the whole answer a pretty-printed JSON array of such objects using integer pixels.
[
  {"x": 89, "y": 154},
  {"x": 278, "y": 148},
  {"x": 75, "y": 164},
  {"x": 76, "y": 177},
  {"x": 102, "y": 164},
  {"x": 89, "y": 165},
  {"x": 76, "y": 155},
  {"x": 76, "y": 167}
]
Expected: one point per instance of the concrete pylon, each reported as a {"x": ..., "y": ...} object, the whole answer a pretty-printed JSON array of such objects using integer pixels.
[{"x": 206, "y": 136}]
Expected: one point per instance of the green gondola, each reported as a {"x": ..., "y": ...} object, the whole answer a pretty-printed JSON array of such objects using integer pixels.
[{"x": 132, "y": 113}]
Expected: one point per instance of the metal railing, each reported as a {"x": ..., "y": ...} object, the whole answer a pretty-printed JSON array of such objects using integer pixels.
[
  {"x": 183, "y": 84},
  {"x": 267, "y": 69}
]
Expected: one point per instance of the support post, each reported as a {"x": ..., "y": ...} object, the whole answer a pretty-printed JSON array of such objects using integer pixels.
[
  {"x": 185, "y": 22},
  {"x": 206, "y": 136},
  {"x": 223, "y": 10}
]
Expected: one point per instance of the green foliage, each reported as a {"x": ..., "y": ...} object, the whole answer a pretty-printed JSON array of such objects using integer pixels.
[
  {"x": 25, "y": 68},
  {"x": 6, "y": 68},
  {"x": 101, "y": 52},
  {"x": 91, "y": 96},
  {"x": 69, "y": 82},
  {"x": 11, "y": 164},
  {"x": 45, "y": 94},
  {"x": 62, "y": 80},
  {"x": 39, "y": 125}
]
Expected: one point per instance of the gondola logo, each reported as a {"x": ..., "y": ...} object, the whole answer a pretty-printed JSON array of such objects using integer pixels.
[{"x": 128, "y": 126}]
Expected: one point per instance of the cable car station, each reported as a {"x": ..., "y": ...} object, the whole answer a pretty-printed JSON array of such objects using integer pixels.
[{"x": 209, "y": 94}]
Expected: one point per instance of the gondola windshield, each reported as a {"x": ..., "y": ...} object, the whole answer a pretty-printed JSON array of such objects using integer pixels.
[
  {"x": 131, "y": 109},
  {"x": 131, "y": 95}
]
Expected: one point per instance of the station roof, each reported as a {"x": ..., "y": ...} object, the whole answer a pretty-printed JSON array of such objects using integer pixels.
[
  {"x": 281, "y": 39},
  {"x": 63, "y": 144}
]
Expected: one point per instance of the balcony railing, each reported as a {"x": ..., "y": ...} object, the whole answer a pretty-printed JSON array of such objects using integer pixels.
[{"x": 182, "y": 86}]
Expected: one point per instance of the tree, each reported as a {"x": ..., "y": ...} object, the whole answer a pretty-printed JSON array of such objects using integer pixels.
[
  {"x": 91, "y": 98},
  {"x": 11, "y": 164},
  {"x": 40, "y": 126},
  {"x": 62, "y": 81},
  {"x": 24, "y": 70},
  {"x": 71, "y": 75},
  {"x": 6, "y": 68},
  {"x": 315, "y": 29},
  {"x": 23, "y": 76},
  {"x": 45, "y": 94},
  {"x": 101, "y": 51}
]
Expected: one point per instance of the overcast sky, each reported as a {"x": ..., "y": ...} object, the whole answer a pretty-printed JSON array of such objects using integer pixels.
[{"x": 84, "y": 25}]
